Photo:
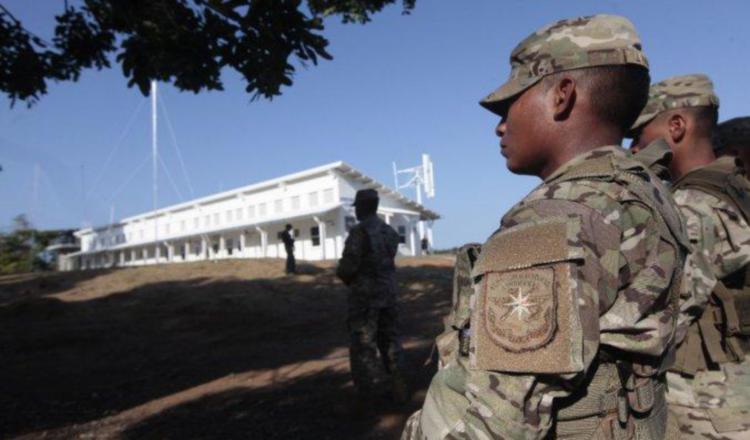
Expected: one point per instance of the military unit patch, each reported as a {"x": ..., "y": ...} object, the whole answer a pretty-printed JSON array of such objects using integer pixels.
[{"x": 520, "y": 308}]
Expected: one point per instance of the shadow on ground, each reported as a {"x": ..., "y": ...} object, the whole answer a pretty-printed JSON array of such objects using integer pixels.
[
  {"x": 14, "y": 288},
  {"x": 71, "y": 362}
]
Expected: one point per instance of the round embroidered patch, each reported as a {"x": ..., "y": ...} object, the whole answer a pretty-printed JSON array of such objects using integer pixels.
[{"x": 520, "y": 308}]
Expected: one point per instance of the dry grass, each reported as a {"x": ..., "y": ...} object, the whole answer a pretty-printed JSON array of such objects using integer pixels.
[{"x": 233, "y": 349}]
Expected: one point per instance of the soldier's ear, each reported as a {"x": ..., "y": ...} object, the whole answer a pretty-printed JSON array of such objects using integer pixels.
[
  {"x": 564, "y": 93},
  {"x": 677, "y": 127}
]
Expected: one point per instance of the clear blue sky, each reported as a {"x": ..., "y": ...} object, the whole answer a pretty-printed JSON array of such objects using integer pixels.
[{"x": 397, "y": 87}]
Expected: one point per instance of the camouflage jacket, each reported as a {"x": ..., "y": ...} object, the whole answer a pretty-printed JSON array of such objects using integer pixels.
[
  {"x": 698, "y": 278},
  {"x": 367, "y": 264},
  {"x": 583, "y": 264},
  {"x": 718, "y": 228}
]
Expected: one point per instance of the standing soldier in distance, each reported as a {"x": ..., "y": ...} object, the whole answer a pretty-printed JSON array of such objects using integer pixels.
[
  {"x": 734, "y": 138},
  {"x": 367, "y": 267},
  {"x": 708, "y": 386},
  {"x": 288, "y": 239},
  {"x": 575, "y": 295}
]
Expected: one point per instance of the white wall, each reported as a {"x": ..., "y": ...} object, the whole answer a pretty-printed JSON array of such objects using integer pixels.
[{"x": 235, "y": 211}]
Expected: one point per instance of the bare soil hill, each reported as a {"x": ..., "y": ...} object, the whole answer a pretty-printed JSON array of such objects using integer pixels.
[{"x": 233, "y": 349}]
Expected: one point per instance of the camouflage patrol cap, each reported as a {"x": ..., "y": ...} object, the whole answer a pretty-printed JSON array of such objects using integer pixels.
[
  {"x": 682, "y": 91},
  {"x": 734, "y": 132},
  {"x": 575, "y": 43}
]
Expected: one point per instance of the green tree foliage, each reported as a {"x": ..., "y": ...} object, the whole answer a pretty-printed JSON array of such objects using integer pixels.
[
  {"x": 184, "y": 42},
  {"x": 20, "y": 249}
]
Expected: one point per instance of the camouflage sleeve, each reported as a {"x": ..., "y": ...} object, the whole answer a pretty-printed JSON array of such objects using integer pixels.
[
  {"x": 393, "y": 241},
  {"x": 717, "y": 228},
  {"x": 698, "y": 282},
  {"x": 622, "y": 271},
  {"x": 352, "y": 256},
  {"x": 735, "y": 245}
]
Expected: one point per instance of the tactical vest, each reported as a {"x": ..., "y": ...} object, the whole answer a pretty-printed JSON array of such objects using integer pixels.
[
  {"x": 621, "y": 397},
  {"x": 722, "y": 330},
  {"x": 624, "y": 397}
]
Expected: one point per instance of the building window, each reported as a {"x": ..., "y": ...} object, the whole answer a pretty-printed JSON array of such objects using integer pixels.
[
  {"x": 328, "y": 195},
  {"x": 402, "y": 234},
  {"x": 217, "y": 220},
  {"x": 140, "y": 233},
  {"x": 229, "y": 216},
  {"x": 315, "y": 235},
  {"x": 313, "y": 198},
  {"x": 238, "y": 213},
  {"x": 166, "y": 228},
  {"x": 196, "y": 223},
  {"x": 278, "y": 206},
  {"x": 207, "y": 221},
  {"x": 295, "y": 203},
  {"x": 182, "y": 225},
  {"x": 262, "y": 210},
  {"x": 251, "y": 211}
]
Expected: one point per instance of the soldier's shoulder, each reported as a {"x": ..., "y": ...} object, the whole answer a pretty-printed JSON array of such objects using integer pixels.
[
  {"x": 696, "y": 198},
  {"x": 357, "y": 231},
  {"x": 574, "y": 196}
]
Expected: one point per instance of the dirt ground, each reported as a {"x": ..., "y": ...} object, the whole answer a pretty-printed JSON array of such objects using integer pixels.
[{"x": 232, "y": 349}]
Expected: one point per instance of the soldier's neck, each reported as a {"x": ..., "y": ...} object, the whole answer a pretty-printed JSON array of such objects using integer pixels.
[
  {"x": 696, "y": 154},
  {"x": 578, "y": 142}
]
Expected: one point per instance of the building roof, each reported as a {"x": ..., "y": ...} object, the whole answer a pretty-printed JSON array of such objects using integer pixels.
[{"x": 340, "y": 166}]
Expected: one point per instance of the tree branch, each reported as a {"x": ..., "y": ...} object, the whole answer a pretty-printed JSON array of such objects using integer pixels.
[{"x": 5, "y": 10}]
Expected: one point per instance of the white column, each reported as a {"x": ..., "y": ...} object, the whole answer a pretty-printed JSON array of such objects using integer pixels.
[
  {"x": 322, "y": 229},
  {"x": 122, "y": 257},
  {"x": 243, "y": 244},
  {"x": 204, "y": 248},
  {"x": 186, "y": 250},
  {"x": 133, "y": 256},
  {"x": 429, "y": 237},
  {"x": 170, "y": 252},
  {"x": 144, "y": 254},
  {"x": 412, "y": 239},
  {"x": 263, "y": 241}
]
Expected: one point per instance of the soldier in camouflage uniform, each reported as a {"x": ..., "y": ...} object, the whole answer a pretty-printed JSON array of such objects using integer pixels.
[
  {"x": 698, "y": 278},
  {"x": 367, "y": 267},
  {"x": 733, "y": 136},
  {"x": 709, "y": 384},
  {"x": 565, "y": 316}
]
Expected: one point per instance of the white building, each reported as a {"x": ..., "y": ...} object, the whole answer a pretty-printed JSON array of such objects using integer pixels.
[{"x": 246, "y": 223}]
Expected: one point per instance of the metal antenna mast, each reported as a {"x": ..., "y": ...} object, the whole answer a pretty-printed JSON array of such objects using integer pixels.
[
  {"x": 422, "y": 178},
  {"x": 154, "y": 158}
]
